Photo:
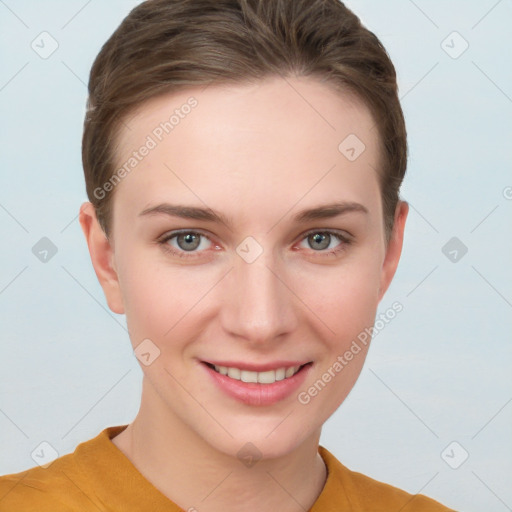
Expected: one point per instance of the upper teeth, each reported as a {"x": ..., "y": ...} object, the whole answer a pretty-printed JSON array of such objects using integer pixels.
[{"x": 268, "y": 377}]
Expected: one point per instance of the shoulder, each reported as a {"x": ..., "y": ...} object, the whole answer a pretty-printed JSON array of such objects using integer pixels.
[
  {"x": 49, "y": 489},
  {"x": 65, "y": 485},
  {"x": 365, "y": 493}
]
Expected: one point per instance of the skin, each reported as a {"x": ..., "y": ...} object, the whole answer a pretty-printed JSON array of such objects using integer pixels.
[{"x": 258, "y": 154}]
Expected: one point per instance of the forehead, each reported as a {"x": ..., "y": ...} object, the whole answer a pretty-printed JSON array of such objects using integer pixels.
[{"x": 278, "y": 137}]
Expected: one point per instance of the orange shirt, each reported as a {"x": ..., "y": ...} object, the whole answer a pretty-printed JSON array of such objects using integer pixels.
[{"x": 97, "y": 476}]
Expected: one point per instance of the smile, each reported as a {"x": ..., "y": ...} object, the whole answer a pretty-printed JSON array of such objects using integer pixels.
[
  {"x": 267, "y": 377},
  {"x": 258, "y": 384}
]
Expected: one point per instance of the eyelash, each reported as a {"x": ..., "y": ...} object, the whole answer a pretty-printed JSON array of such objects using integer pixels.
[{"x": 345, "y": 241}]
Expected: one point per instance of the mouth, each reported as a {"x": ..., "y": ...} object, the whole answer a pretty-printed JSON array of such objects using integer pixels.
[
  {"x": 258, "y": 385},
  {"x": 258, "y": 377}
]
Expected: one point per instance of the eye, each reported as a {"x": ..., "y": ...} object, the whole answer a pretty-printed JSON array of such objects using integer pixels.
[
  {"x": 325, "y": 241},
  {"x": 190, "y": 244},
  {"x": 182, "y": 242}
]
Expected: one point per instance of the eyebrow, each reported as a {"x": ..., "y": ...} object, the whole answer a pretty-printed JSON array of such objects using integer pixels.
[{"x": 325, "y": 211}]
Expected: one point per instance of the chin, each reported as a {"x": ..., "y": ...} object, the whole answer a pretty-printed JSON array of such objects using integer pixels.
[{"x": 269, "y": 439}]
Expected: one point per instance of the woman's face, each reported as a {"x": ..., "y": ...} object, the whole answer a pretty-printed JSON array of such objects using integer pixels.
[{"x": 269, "y": 286}]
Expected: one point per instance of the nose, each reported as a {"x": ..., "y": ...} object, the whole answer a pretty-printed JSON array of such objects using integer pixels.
[{"x": 258, "y": 304}]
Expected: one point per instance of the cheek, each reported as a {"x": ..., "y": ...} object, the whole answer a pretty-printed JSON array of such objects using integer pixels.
[
  {"x": 344, "y": 297},
  {"x": 349, "y": 307},
  {"x": 346, "y": 303},
  {"x": 158, "y": 298}
]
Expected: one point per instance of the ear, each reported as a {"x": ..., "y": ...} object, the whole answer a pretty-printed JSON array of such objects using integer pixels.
[
  {"x": 394, "y": 249},
  {"x": 102, "y": 257}
]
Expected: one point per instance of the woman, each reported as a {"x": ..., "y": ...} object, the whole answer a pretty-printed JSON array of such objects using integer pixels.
[{"x": 243, "y": 161}]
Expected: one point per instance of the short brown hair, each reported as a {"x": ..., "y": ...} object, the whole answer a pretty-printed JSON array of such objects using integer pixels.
[{"x": 168, "y": 45}]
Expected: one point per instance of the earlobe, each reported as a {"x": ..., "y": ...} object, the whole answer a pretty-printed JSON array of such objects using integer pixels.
[
  {"x": 394, "y": 249},
  {"x": 102, "y": 257}
]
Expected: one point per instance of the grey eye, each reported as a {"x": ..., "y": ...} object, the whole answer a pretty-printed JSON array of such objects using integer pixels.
[
  {"x": 319, "y": 240},
  {"x": 188, "y": 241}
]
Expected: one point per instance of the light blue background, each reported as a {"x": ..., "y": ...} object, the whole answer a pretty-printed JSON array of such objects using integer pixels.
[{"x": 439, "y": 372}]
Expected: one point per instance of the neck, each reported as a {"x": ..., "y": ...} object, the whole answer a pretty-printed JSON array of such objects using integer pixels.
[{"x": 196, "y": 476}]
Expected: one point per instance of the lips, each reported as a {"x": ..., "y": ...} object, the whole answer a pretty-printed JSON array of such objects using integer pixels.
[{"x": 260, "y": 388}]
